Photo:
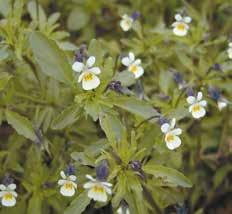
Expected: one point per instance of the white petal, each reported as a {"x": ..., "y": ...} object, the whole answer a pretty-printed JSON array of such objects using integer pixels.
[
  {"x": 67, "y": 191},
  {"x": 126, "y": 61},
  {"x": 177, "y": 131},
  {"x": 2, "y": 187},
  {"x": 89, "y": 185},
  {"x": 90, "y": 177},
  {"x": 107, "y": 184},
  {"x": 62, "y": 174},
  {"x": 139, "y": 72},
  {"x": 8, "y": 202},
  {"x": 203, "y": 103},
  {"x": 230, "y": 44},
  {"x": 178, "y": 17},
  {"x": 78, "y": 66},
  {"x": 191, "y": 99},
  {"x": 178, "y": 32},
  {"x": 119, "y": 210},
  {"x": 173, "y": 123},
  {"x": 11, "y": 186},
  {"x": 165, "y": 127},
  {"x": 81, "y": 76},
  {"x": 131, "y": 56},
  {"x": 199, "y": 114},
  {"x": 62, "y": 182},
  {"x": 90, "y": 61},
  {"x": 199, "y": 96},
  {"x": 221, "y": 105},
  {"x": 72, "y": 177},
  {"x": 126, "y": 24},
  {"x": 108, "y": 190},
  {"x": 97, "y": 196},
  {"x": 174, "y": 144},
  {"x": 14, "y": 193},
  {"x": 187, "y": 19},
  {"x": 90, "y": 84},
  {"x": 95, "y": 70},
  {"x": 137, "y": 62}
]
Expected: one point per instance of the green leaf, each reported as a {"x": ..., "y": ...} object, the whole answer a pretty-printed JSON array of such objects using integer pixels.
[
  {"x": 77, "y": 19},
  {"x": 112, "y": 127},
  {"x": 169, "y": 175},
  {"x": 4, "y": 79},
  {"x": 50, "y": 58},
  {"x": 33, "y": 9},
  {"x": 21, "y": 124},
  {"x": 135, "y": 106},
  {"x": 79, "y": 204},
  {"x": 126, "y": 78},
  {"x": 96, "y": 49},
  {"x": 35, "y": 204},
  {"x": 67, "y": 117}
]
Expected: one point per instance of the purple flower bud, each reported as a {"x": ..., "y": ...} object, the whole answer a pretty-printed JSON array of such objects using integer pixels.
[
  {"x": 178, "y": 77},
  {"x": 216, "y": 67},
  {"x": 135, "y": 15},
  {"x": 162, "y": 120},
  {"x": 136, "y": 165},
  {"x": 214, "y": 93},
  {"x": 7, "y": 180},
  {"x": 190, "y": 92},
  {"x": 70, "y": 170},
  {"x": 102, "y": 171},
  {"x": 81, "y": 54},
  {"x": 115, "y": 86}
]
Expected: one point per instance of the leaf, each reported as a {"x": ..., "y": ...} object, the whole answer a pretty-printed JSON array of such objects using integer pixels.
[
  {"x": 77, "y": 19},
  {"x": 50, "y": 58},
  {"x": 79, "y": 204},
  {"x": 33, "y": 9},
  {"x": 169, "y": 175},
  {"x": 96, "y": 49},
  {"x": 67, "y": 117},
  {"x": 21, "y": 124},
  {"x": 165, "y": 81},
  {"x": 125, "y": 77},
  {"x": 112, "y": 127},
  {"x": 136, "y": 106},
  {"x": 4, "y": 79},
  {"x": 35, "y": 204}
]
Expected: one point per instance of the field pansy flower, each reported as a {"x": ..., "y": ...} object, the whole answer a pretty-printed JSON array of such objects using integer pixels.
[
  {"x": 171, "y": 134},
  {"x": 229, "y": 50},
  {"x": 180, "y": 26},
  {"x": 67, "y": 183},
  {"x": 133, "y": 65},
  {"x": 8, "y": 195},
  {"x": 97, "y": 190},
  {"x": 88, "y": 77},
  {"x": 197, "y": 105},
  {"x": 126, "y": 22}
]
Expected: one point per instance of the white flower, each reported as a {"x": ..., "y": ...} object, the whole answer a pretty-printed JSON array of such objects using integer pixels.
[
  {"x": 222, "y": 103},
  {"x": 88, "y": 76},
  {"x": 68, "y": 185},
  {"x": 229, "y": 50},
  {"x": 133, "y": 65},
  {"x": 197, "y": 105},
  {"x": 126, "y": 22},
  {"x": 8, "y": 195},
  {"x": 180, "y": 26},
  {"x": 98, "y": 190},
  {"x": 122, "y": 210},
  {"x": 171, "y": 134}
]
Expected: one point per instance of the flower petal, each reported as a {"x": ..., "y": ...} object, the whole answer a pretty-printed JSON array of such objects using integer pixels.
[
  {"x": 139, "y": 72},
  {"x": 191, "y": 99},
  {"x": 72, "y": 177},
  {"x": 95, "y": 70},
  {"x": 177, "y": 131},
  {"x": 126, "y": 61},
  {"x": 137, "y": 62},
  {"x": 67, "y": 191},
  {"x": 131, "y": 56},
  {"x": 199, "y": 96},
  {"x": 178, "y": 32},
  {"x": 187, "y": 19},
  {"x": 90, "y": 61},
  {"x": 78, "y": 66},
  {"x": 173, "y": 123},
  {"x": 165, "y": 127},
  {"x": 89, "y": 185},
  {"x": 90, "y": 177},
  {"x": 2, "y": 187},
  {"x": 178, "y": 17},
  {"x": 199, "y": 114},
  {"x": 203, "y": 103},
  {"x": 97, "y": 196},
  {"x": 90, "y": 84},
  {"x": 174, "y": 144},
  {"x": 8, "y": 202},
  {"x": 62, "y": 174},
  {"x": 11, "y": 186},
  {"x": 126, "y": 23}
]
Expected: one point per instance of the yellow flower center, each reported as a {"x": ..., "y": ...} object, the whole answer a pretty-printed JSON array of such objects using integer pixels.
[
  {"x": 181, "y": 26},
  {"x": 133, "y": 68},
  {"x": 88, "y": 77},
  {"x": 8, "y": 196},
  {"x": 98, "y": 189},
  {"x": 196, "y": 108},
  {"x": 169, "y": 137},
  {"x": 68, "y": 185}
]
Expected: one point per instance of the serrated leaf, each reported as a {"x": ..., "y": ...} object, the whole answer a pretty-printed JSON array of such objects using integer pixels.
[
  {"x": 169, "y": 175},
  {"x": 50, "y": 58},
  {"x": 21, "y": 124}
]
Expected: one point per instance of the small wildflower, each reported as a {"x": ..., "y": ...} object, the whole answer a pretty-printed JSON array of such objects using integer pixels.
[
  {"x": 171, "y": 134},
  {"x": 215, "y": 94},
  {"x": 222, "y": 103},
  {"x": 180, "y": 26},
  {"x": 229, "y": 50},
  {"x": 8, "y": 195},
  {"x": 197, "y": 105},
  {"x": 97, "y": 190},
  {"x": 126, "y": 22},
  {"x": 67, "y": 183},
  {"x": 88, "y": 76},
  {"x": 133, "y": 65}
]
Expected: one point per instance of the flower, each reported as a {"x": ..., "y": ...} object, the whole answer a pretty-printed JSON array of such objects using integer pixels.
[
  {"x": 88, "y": 76},
  {"x": 222, "y": 103},
  {"x": 123, "y": 210},
  {"x": 180, "y": 26},
  {"x": 67, "y": 184},
  {"x": 197, "y": 105},
  {"x": 98, "y": 190},
  {"x": 8, "y": 195},
  {"x": 229, "y": 50},
  {"x": 171, "y": 134},
  {"x": 133, "y": 65},
  {"x": 126, "y": 22}
]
